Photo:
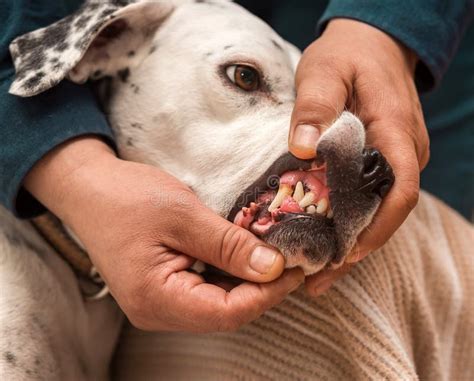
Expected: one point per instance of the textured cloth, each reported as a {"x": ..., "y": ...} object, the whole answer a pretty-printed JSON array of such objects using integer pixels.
[
  {"x": 406, "y": 312},
  {"x": 431, "y": 28}
]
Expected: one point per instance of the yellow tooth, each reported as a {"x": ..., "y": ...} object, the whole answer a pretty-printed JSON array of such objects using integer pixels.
[
  {"x": 330, "y": 214},
  {"x": 311, "y": 209},
  {"x": 308, "y": 199},
  {"x": 322, "y": 206},
  {"x": 283, "y": 191},
  {"x": 299, "y": 192}
]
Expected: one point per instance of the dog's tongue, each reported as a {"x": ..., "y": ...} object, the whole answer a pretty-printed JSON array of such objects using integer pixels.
[{"x": 299, "y": 192}]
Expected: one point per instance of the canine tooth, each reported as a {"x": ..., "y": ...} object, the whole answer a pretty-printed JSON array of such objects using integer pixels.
[
  {"x": 311, "y": 209},
  {"x": 330, "y": 214},
  {"x": 299, "y": 192},
  {"x": 308, "y": 199},
  {"x": 283, "y": 191},
  {"x": 322, "y": 206}
]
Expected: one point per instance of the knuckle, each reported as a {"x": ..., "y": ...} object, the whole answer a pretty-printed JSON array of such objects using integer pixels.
[
  {"x": 425, "y": 157},
  {"x": 137, "y": 306},
  {"x": 410, "y": 196},
  {"x": 232, "y": 242}
]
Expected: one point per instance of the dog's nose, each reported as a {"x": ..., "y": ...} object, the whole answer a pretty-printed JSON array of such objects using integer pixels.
[{"x": 377, "y": 176}]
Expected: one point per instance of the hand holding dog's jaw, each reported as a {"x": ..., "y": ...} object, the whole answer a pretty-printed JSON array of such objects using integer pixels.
[
  {"x": 355, "y": 66},
  {"x": 136, "y": 234}
]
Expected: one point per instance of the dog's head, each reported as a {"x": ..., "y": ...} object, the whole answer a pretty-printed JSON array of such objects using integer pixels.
[{"x": 204, "y": 90}]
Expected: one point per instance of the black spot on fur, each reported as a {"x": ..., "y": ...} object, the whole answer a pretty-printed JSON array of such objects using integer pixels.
[
  {"x": 58, "y": 66},
  {"x": 228, "y": 47},
  {"x": 208, "y": 54},
  {"x": 136, "y": 88},
  {"x": 253, "y": 101},
  {"x": 124, "y": 74},
  {"x": 129, "y": 142},
  {"x": 82, "y": 21},
  {"x": 10, "y": 358},
  {"x": 97, "y": 74},
  {"x": 277, "y": 45},
  {"x": 122, "y": 3},
  {"x": 137, "y": 125},
  {"x": 34, "y": 81},
  {"x": 61, "y": 47},
  {"x": 131, "y": 53},
  {"x": 153, "y": 49}
]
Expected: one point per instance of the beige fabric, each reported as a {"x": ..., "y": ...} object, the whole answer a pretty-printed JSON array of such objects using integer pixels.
[{"x": 404, "y": 313}]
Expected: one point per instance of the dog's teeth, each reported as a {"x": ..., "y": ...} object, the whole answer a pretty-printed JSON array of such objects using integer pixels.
[
  {"x": 330, "y": 214},
  {"x": 308, "y": 199},
  {"x": 299, "y": 192},
  {"x": 283, "y": 191},
  {"x": 322, "y": 206},
  {"x": 311, "y": 209}
]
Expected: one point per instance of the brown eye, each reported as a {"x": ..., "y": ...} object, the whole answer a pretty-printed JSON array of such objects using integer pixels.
[{"x": 246, "y": 77}]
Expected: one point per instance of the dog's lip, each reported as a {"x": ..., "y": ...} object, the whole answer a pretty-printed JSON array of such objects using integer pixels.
[{"x": 284, "y": 163}]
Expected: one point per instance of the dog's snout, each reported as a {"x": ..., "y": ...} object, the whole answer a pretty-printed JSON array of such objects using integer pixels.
[{"x": 377, "y": 175}]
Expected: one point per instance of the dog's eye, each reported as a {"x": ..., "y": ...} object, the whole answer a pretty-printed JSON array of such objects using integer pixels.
[{"x": 246, "y": 77}]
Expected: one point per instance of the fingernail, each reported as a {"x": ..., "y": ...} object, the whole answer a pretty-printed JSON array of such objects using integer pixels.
[
  {"x": 304, "y": 140},
  {"x": 262, "y": 259}
]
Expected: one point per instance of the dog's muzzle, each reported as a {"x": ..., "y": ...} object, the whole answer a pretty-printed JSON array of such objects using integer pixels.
[{"x": 301, "y": 206}]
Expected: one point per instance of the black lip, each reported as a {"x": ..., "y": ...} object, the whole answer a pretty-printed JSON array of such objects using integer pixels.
[{"x": 284, "y": 163}]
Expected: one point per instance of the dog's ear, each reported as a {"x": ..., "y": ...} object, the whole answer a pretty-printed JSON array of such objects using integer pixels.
[{"x": 102, "y": 38}]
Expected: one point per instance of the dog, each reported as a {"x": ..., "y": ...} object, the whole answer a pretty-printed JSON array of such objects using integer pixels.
[{"x": 211, "y": 82}]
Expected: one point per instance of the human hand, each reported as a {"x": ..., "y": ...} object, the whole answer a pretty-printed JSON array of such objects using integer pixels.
[
  {"x": 143, "y": 229},
  {"x": 358, "y": 67}
]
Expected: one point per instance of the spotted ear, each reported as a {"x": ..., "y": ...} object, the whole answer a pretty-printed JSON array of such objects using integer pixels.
[{"x": 100, "y": 39}]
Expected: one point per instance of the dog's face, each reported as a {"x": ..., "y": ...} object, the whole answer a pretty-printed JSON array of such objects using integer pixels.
[{"x": 204, "y": 90}]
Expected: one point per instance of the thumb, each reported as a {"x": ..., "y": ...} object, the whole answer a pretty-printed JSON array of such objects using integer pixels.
[
  {"x": 229, "y": 247},
  {"x": 321, "y": 98}
]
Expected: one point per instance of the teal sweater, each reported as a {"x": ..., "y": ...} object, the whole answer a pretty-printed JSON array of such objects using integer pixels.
[{"x": 432, "y": 28}]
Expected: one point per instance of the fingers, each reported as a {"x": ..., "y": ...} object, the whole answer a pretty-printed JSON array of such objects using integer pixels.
[
  {"x": 400, "y": 201},
  {"x": 319, "y": 283},
  {"x": 321, "y": 98},
  {"x": 213, "y": 308},
  {"x": 228, "y": 247}
]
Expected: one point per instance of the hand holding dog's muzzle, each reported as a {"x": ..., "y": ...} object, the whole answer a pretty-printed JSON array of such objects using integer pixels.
[
  {"x": 357, "y": 67},
  {"x": 143, "y": 230}
]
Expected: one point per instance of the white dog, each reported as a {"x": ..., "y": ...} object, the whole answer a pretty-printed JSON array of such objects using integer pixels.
[{"x": 204, "y": 90}]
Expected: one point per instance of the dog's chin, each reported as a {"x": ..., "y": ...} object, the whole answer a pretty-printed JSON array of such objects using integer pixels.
[{"x": 306, "y": 241}]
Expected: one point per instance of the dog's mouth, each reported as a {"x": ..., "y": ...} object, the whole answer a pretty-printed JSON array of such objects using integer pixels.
[{"x": 294, "y": 194}]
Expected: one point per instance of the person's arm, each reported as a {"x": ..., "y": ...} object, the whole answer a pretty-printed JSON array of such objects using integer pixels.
[
  {"x": 30, "y": 128},
  {"x": 432, "y": 29},
  {"x": 372, "y": 58}
]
